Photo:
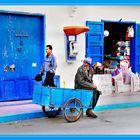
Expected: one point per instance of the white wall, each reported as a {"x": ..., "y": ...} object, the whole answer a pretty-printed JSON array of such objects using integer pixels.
[{"x": 59, "y": 16}]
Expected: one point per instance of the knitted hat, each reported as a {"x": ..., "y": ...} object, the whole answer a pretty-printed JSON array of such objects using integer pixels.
[{"x": 88, "y": 60}]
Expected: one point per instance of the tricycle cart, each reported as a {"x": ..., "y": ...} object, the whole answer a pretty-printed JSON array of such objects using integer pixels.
[{"x": 71, "y": 101}]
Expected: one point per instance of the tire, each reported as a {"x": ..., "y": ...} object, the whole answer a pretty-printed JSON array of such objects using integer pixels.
[
  {"x": 72, "y": 110},
  {"x": 51, "y": 112}
]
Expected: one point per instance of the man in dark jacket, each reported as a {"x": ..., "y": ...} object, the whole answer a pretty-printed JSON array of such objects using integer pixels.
[{"x": 83, "y": 80}]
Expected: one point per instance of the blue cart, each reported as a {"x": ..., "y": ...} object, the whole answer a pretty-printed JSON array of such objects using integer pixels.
[{"x": 70, "y": 101}]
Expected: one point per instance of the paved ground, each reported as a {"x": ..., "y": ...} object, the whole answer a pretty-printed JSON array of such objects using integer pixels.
[
  {"x": 119, "y": 98},
  {"x": 122, "y": 121}
]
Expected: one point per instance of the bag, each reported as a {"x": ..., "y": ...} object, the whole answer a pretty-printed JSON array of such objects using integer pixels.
[{"x": 38, "y": 77}]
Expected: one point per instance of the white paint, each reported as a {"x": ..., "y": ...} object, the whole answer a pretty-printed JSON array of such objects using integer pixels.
[
  {"x": 59, "y": 16},
  {"x": 34, "y": 64}
]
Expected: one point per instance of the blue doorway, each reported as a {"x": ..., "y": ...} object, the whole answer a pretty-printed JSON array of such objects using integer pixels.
[
  {"x": 118, "y": 44},
  {"x": 22, "y": 43},
  {"x": 102, "y": 49}
]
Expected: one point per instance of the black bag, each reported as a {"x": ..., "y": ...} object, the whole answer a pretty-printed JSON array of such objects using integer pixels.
[{"x": 38, "y": 77}]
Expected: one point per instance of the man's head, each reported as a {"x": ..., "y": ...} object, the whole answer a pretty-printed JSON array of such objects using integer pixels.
[
  {"x": 48, "y": 49},
  {"x": 87, "y": 62}
]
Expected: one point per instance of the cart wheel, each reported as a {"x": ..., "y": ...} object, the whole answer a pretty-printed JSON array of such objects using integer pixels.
[
  {"x": 73, "y": 110},
  {"x": 51, "y": 112}
]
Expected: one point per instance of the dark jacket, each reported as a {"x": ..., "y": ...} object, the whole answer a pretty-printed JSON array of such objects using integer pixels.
[{"x": 83, "y": 78}]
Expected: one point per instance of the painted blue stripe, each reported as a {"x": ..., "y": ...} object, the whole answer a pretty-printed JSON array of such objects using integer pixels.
[
  {"x": 70, "y": 2},
  {"x": 69, "y": 137},
  {"x": 40, "y": 114},
  {"x": 21, "y": 116},
  {"x": 117, "y": 106}
]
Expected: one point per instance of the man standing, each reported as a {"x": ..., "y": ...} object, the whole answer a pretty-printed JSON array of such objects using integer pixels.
[
  {"x": 49, "y": 66},
  {"x": 83, "y": 80}
]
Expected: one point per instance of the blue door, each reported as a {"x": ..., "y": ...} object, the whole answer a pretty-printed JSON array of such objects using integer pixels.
[
  {"x": 135, "y": 50},
  {"x": 22, "y": 44},
  {"x": 95, "y": 41},
  {"x": 21, "y": 47}
]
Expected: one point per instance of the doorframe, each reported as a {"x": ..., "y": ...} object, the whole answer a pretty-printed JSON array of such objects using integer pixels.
[
  {"x": 132, "y": 42},
  {"x": 20, "y": 13},
  {"x": 121, "y": 22}
]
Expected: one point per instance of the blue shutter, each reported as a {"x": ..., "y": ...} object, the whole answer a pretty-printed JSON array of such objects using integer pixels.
[
  {"x": 95, "y": 41},
  {"x": 135, "y": 50}
]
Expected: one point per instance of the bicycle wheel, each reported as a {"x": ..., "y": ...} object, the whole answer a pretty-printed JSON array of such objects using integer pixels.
[
  {"x": 72, "y": 110},
  {"x": 51, "y": 112}
]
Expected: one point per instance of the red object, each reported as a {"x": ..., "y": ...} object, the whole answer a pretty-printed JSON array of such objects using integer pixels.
[
  {"x": 75, "y": 30},
  {"x": 126, "y": 37}
]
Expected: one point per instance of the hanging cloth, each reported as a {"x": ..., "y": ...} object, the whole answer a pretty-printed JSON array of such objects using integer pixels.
[{"x": 130, "y": 32}]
